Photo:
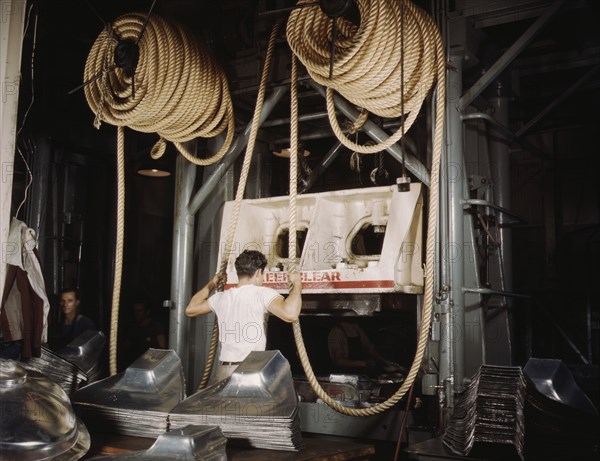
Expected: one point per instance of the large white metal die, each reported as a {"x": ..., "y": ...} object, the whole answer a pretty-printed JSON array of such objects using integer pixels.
[{"x": 351, "y": 241}]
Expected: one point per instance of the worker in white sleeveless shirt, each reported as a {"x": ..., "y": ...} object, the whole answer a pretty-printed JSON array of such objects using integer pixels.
[{"x": 242, "y": 311}]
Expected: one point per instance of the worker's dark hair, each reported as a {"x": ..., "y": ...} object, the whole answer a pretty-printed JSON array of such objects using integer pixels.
[
  {"x": 70, "y": 290},
  {"x": 248, "y": 262}
]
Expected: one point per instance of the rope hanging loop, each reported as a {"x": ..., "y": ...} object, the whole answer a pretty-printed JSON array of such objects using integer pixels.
[
  {"x": 166, "y": 83},
  {"x": 369, "y": 58}
]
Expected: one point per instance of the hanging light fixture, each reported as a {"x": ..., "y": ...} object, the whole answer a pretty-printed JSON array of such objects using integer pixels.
[
  {"x": 285, "y": 153},
  {"x": 154, "y": 172},
  {"x": 156, "y": 168}
]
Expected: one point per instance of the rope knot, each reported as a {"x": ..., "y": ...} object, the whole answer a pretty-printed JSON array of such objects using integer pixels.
[{"x": 353, "y": 127}]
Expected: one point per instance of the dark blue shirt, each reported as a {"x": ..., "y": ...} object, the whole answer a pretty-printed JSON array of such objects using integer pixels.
[{"x": 68, "y": 333}]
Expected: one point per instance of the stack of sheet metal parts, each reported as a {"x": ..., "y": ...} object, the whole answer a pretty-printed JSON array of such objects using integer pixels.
[
  {"x": 257, "y": 406},
  {"x": 85, "y": 351},
  {"x": 191, "y": 443},
  {"x": 490, "y": 411},
  {"x": 507, "y": 414},
  {"x": 137, "y": 401},
  {"x": 37, "y": 421},
  {"x": 74, "y": 365}
]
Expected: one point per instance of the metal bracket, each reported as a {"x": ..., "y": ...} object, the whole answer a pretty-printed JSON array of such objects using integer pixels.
[
  {"x": 480, "y": 202},
  {"x": 489, "y": 291}
]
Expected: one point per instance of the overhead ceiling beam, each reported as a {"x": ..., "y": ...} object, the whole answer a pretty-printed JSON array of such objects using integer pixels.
[
  {"x": 489, "y": 13},
  {"x": 509, "y": 55},
  {"x": 377, "y": 134},
  {"x": 557, "y": 61},
  {"x": 234, "y": 151},
  {"x": 557, "y": 101}
]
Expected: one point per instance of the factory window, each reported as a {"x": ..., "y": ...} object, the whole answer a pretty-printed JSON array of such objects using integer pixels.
[
  {"x": 283, "y": 239},
  {"x": 368, "y": 241}
]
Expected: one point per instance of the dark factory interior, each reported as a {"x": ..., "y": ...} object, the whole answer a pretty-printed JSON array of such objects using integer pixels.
[{"x": 522, "y": 87}]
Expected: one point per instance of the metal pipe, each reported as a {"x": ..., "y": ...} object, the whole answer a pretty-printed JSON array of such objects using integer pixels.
[
  {"x": 443, "y": 219},
  {"x": 456, "y": 178},
  {"x": 500, "y": 169},
  {"x": 489, "y": 291},
  {"x": 325, "y": 133},
  {"x": 281, "y": 83},
  {"x": 412, "y": 163},
  {"x": 324, "y": 164},
  {"x": 39, "y": 189},
  {"x": 182, "y": 264},
  {"x": 409, "y": 143},
  {"x": 506, "y": 132},
  {"x": 234, "y": 151},
  {"x": 301, "y": 118},
  {"x": 557, "y": 101},
  {"x": 509, "y": 55},
  {"x": 481, "y": 202}
]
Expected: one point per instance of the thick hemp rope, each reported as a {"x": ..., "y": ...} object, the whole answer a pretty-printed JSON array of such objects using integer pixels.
[
  {"x": 369, "y": 59},
  {"x": 429, "y": 50},
  {"x": 180, "y": 93},
  {"x": 239, "y": 195}
]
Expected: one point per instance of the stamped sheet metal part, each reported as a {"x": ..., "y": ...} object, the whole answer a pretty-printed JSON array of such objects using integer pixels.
[
  {"x": 137, "y": 401},
  {"x": 73, "y": 366},
  {"x": 38, "y": 422},
  {"x": 190, "y": 443},
  {"x": 257, "y": 406}
]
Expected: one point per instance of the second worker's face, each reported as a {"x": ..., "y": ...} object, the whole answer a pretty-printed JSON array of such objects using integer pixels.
[
  {"x": 68, "y": 302},
  {"x": 139, "y": 312}
]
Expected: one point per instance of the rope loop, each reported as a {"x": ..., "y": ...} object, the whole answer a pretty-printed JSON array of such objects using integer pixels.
[
  {"x": 354, "y": 126},
  {"x": 366, "y": 69}
]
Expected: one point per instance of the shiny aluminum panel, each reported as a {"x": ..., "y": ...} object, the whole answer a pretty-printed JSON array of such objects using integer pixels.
[
  {"x": 190, "y": 443},
  {"x": 37, "y": 419},
  {"x": 66, "y": 374},
  {"x": 136, "y": 401},
  {"x": 553, "y": 379},
  {"x": 257, "y": 406},
  {"x": 85, "y": 351}
]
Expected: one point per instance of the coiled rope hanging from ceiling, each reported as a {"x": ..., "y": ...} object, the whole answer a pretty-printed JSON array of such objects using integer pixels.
[
  {"x": 366, "y": 72},
  {"x": 175, "y": 89},
  {"x": 369, "y": 59}
]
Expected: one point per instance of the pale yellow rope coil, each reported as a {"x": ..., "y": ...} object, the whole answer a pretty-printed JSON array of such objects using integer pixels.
[
  {"x": 225, "y": 257},
  {"x": 180, "y": 93},
  {"x": 368, "y": 60},
  {"x": 433, "y": 53}
]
